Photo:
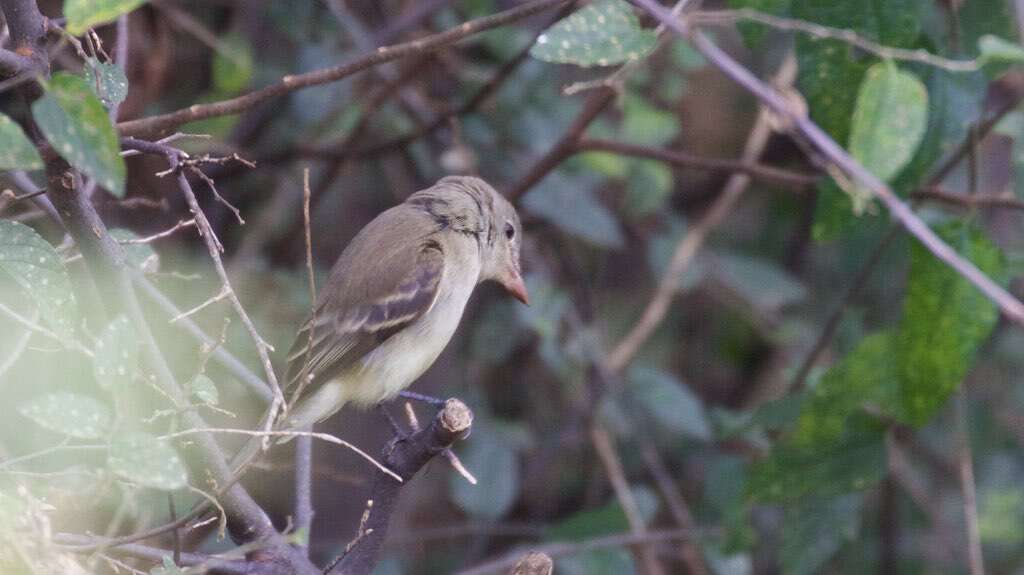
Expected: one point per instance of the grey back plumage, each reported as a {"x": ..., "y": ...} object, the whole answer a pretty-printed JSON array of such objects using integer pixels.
[{"x": 400, "y": 274}]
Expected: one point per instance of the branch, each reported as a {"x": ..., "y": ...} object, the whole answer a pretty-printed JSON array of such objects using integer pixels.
[
  {"x": 290, "y": 83},
  {"x": 12, "y": 63},
  {"x": 835, "y": 154},
  {"x": 798, "y": 181},
  {"x": 220, "y": 355},
  {"x": 613, "y": 467},
  {"x": 555, "y": 550},
  {"x": 965, "y": 465},
  {"x": 970, "y": 201},
  {"x": 818, "y": 31},
  {"x": 155, "y": 554},
  {"x": 566, "y": 145},
  {"x": 174, "y": 158},
  {"x": 405, "y": 456},
  {"x": 691, "y": 243}
]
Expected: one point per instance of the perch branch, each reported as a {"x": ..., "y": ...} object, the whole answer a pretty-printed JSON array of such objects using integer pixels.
[{"x": 405, "y": 456}]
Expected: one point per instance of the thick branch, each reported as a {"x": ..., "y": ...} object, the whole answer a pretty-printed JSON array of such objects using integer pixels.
[
  {"x": 405, "y": 457},
  {"x": 166, "y": 122},
  {"x": 12, "y": 63}
]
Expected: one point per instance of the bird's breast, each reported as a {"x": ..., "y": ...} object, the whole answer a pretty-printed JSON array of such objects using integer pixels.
[{"x": 402, "y": 358}]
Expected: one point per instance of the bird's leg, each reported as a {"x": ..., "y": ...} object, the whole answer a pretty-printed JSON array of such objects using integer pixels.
[
  {"x": 397, "y": 429},
  {"x": 436, "y": 402}
]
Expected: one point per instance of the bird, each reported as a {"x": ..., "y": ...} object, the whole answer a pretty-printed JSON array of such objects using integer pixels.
[{"x": 396, "y": 295}]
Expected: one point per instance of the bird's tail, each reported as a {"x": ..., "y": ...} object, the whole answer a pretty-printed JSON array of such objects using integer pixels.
[{"x": 326, "y": 400}]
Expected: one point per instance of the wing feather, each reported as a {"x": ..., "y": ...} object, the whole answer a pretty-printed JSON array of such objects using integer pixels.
[{"x": 344, "y": 331}]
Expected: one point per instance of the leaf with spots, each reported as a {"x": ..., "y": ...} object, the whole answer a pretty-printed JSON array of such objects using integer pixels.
[
  {"x": 85, "y": 14},
  {"x": 854, "y": 462},
  {"x": 602, "y": 33},
  {"x": 203, "y": 389},
  {"x": 117, "y": 354},
  {"x": 76, "y": 124},
  {"x": 866, "y": 376},
  {"x": 70, "y": 414},
  {"x": 945, "y": 320},
  {"x": 889, "y": 120},
  {"x": 16, "y": 150},
  {"x": 107, "y": 81},
  {"x": 147, "y": 460},
  {"x": 35, "y": 266}
]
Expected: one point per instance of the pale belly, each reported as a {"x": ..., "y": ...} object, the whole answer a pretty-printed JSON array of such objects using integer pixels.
[{"x": 403, "y": 358}]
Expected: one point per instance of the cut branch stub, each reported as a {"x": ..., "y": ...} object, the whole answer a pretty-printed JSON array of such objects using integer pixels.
[{"x": 405, "y": 456}]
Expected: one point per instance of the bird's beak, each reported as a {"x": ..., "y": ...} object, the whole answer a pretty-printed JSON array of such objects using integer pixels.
[{"x": 515, "y": 286}]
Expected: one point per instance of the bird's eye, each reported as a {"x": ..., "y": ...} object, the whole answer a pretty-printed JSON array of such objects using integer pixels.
[{"x": 510, "y": 231}]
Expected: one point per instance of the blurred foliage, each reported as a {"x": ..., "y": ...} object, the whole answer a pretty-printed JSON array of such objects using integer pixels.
[{"x": 773, "y": 475}]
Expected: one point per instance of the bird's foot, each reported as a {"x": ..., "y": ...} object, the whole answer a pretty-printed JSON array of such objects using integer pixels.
[{"x": 436, "y": 402}]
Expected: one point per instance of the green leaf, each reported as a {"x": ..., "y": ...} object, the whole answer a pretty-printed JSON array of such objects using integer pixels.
[
  {"x": 496, "y": 467},
  {"x": 85, "y": 14},
  {"x": 71, "y": 414},
  {"x": 603, "y": 33},
  {"x": 107, "y": 81},
  {"x": 854, "y": 462},
  {"x": 650, "y": 185},
  {"x": 945, "y": 320},
  {"x": 995, "y": 49},
  {"x": 605, "y": 520},
  {"x": 830, "y": 74},
  {"x": 39, "y": 271},
  {"x": 645, "y": 124},
  {"x": 761, "y": 282},
  {"x": 889, "y": 120},
  {"x": 76, "y": 124},
  {"x": 117, "y": 355},
  {"x": 669, "y": 402},
  {"x": 979, "y": 19},
  {"x": 574, "y": 209},
  {"x": 147, "y": 460},
  {"x": 865, "y": 376},
  {"x": 16, "y": 150},
  {"x": 815, "y": 529},
  {"x": 232, "y": 65},
  {"x": 203, "y": 389}
]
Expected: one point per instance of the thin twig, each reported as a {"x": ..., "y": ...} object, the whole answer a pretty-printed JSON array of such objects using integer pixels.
[
  {"x": 613, "y": 467},
  {"x": 969, "y": 201},
  {"x": 160, "y": 235},
  {"x": 221, "y": 355},
  {"x": 693, "y": 240},
  {"x": 796, "y": 180},
  {"x": 965, "y": 466},
  {"x": 293, "y": 433},
  {"x": 223, "y": 293},
  {"x": 294, "y": 82},
  {"x": 691, "y": 553},
  {"x": 304, "y": 445},
  {"x": 555, "y": 550},
  {"x": 848, "y": 36}
]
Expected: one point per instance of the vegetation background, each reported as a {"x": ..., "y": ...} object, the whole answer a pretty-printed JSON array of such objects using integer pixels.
[{"x": 736, "y": 359}]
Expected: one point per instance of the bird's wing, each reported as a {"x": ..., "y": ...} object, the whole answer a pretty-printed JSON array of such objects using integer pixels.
[{"x": 355, "y": 319}]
